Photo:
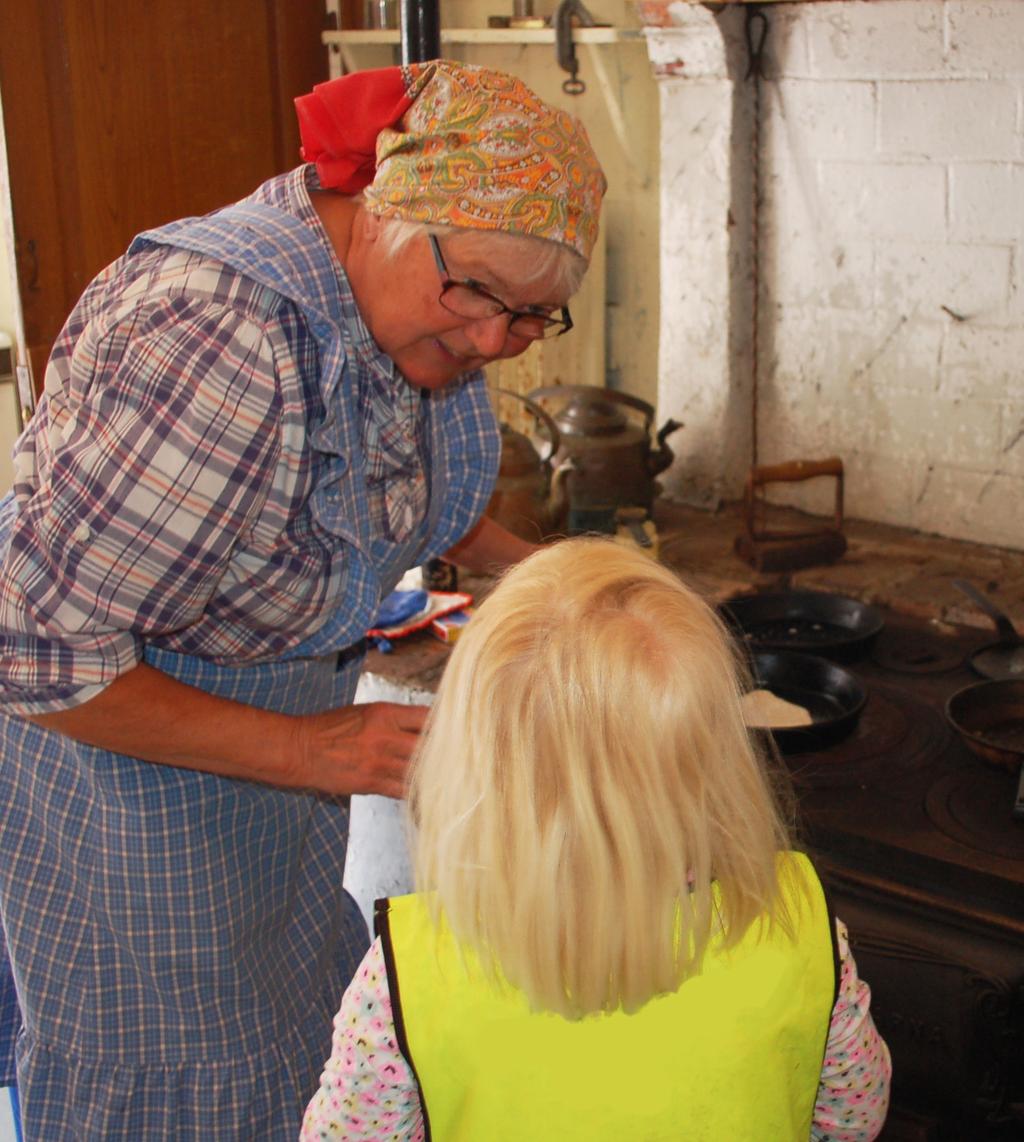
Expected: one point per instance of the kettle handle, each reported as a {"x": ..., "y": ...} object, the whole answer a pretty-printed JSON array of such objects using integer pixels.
[
  {"x": 554, "y": 436},
  {"x": 613, "y": 395}
]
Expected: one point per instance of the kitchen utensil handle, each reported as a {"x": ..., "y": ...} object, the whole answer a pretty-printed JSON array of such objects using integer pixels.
[
  {"x": 614, "y": 395},
  {"x": 795, "y": 470},
  {"x": 633, "y": 519},
  {"x": 1007, "y": 631},
  {"x": 789, "y": 472},
  {"x": 541, "y": 417}
]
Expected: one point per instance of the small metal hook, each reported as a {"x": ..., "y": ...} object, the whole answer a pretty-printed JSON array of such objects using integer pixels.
[
  {"x": 565, "y": 47},
  {"x": 755, "y": 41}
]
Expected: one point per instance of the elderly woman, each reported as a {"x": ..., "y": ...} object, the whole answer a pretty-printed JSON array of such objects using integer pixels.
[{"x": 253, "y": 424}]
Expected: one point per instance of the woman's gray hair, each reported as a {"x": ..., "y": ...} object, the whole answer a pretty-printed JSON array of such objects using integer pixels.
[{"x": 552, "y": 260}]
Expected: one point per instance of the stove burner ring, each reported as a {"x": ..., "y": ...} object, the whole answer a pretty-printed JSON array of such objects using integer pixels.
[
  {"x": 911, "y": 652},
  {"x": 896, "y": 731},
  {"x": 973, "y": 807}
]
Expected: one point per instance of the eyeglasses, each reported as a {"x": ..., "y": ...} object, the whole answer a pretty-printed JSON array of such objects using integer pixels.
[{"x": 469, "y": 300}]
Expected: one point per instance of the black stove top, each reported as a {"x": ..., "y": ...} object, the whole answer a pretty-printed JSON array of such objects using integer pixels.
[{"x": 902, "y": 798}]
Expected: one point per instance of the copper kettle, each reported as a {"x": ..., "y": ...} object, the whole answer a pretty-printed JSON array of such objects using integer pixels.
[
  {"x": 529, "y": 495},
  {"x": 615, "y": 463}
]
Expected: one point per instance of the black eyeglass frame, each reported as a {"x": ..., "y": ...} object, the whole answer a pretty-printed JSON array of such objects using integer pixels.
[{"x": 448, "y": 282}]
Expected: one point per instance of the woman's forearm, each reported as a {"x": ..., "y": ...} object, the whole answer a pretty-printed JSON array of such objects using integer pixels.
[
  {"x": 149, "y": 715},
  {"x": 490, "y": 547}
]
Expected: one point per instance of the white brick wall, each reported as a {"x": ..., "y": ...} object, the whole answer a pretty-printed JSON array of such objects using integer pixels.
[{"x": 892, "y": 260}]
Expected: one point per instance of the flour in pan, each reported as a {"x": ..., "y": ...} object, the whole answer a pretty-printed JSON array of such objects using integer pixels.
[{"x": 767, "y": 711}]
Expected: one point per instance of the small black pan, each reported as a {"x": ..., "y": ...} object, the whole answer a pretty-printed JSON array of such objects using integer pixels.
[
  {"x": 989, "y": 717},
  {"x": 834, "y": 697},
  {"x": 1003, "y": 658},
  {"x": 808, "y": 622}
]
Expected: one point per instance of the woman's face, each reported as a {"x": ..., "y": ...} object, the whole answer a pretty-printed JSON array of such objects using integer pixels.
[{"x": 400, "y": 303}]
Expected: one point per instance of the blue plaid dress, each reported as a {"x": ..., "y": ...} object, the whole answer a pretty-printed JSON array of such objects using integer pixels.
[{"x": 223, "y": 479}]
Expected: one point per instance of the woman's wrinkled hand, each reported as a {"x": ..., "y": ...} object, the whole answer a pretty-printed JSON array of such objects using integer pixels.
[{"x": 359, "y": 749}]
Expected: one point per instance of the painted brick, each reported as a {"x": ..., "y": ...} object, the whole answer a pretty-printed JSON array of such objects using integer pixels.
[
  {"x": 986, "y": 38},
  {"x": 953, "y": 432},
  {"x": 986, "y": 201},
  {"x": 972, "y": 280},
  {"x": 887, "y": 355},
  {"x": 694, "y": 149},
  {"x": 842, "y": 358},
  {"x": 823, "y": 120},
  {"x": 822, "y": 398},
  {"x": 877, "y": 38},
  {"x": 793, "y": 422},
  {"x": 1015, "y": 307},
  {"x": 692, "y": 47},
  {"x": 891, "y": 200},
  {"x": 878, "y": 486},
  {"x": 982, "y": 362},
  {"x": 949, "y": 119},
  {"x": 975, "y": 505},
  {"x": 1011, "y": 440},
  {"x": 803, "y": 258},
  {"x": 816, "y": 269},
  {"x": 800, "y": 347}
]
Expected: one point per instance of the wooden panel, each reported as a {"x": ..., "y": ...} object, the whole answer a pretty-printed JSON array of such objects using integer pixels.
[
  {"x": 121, "y": 115},
  {"x": 29, "y": 72}
]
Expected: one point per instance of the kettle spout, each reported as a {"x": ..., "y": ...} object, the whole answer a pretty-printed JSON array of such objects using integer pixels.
[
  {"x": 558, "y": 497},
  {"x": 658, "y": 460}
]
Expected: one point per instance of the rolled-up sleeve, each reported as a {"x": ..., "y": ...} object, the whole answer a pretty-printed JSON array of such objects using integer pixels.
[{"x": 151, "y": 453}]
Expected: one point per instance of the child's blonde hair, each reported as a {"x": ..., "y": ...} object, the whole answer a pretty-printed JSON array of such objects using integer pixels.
[{"x": 585, "y": 775}]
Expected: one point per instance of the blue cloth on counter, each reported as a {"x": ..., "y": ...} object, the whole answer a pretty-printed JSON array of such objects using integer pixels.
[{"x": 400, "y": 605}]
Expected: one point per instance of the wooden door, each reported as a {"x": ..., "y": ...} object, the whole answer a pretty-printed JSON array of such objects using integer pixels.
[{"x": 124, "y": 114}]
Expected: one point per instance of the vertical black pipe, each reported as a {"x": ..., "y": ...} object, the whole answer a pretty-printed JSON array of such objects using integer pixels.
[{"x": 420, "y": 22}]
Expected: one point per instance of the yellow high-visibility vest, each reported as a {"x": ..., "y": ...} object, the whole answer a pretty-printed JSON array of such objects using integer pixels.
[{"x": 734, "y": 1054}]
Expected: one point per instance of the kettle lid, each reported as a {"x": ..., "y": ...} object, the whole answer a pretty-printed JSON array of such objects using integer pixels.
[{"x": 587, "y": 415}]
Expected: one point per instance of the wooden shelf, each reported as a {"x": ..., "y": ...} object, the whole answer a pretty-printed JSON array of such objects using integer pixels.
[
  {"x": 353, "y": 38},
  {"x": 346, "y": 42}
]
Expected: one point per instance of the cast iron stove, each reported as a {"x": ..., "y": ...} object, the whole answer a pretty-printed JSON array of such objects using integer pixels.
[{"x": 923, "y": 859}]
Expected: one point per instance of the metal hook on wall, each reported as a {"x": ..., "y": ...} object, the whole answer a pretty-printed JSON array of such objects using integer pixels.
[
  {"x": 755, "y": 30},
  {"x": 756, "y": 38},
  {"x": 565, "y": 47}
]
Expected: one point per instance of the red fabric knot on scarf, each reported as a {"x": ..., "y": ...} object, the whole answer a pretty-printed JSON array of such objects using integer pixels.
[{"x": 339, "y": 122}]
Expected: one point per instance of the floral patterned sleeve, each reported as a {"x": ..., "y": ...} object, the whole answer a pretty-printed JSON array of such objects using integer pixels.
[
  {"x": 367, "y": 1090},
  {"x": 853, "y": 1095}
]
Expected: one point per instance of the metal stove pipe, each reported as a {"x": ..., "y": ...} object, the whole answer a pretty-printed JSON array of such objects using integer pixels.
[{"x": 420, "y": 23}]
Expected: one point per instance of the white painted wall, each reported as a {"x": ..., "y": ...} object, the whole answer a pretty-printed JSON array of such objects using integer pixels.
[{"x": 892, "y": 262}]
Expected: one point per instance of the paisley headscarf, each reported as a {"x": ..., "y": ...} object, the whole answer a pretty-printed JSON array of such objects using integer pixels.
[{"x": 451, "y": 143}]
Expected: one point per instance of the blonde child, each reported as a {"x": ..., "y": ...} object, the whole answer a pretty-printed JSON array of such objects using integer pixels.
[{"x": 612, "y": 937}]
